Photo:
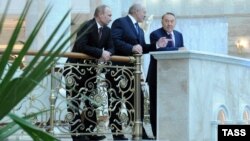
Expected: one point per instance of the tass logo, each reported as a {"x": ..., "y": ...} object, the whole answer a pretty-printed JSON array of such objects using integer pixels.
[{"x": 236, "y": 132}]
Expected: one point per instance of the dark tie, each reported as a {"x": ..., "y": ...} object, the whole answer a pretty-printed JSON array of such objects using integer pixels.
[
  {"x": 100, "y": 32},
  {"x": 170, "y": 43},
  {"x": 137, "y": 28}
]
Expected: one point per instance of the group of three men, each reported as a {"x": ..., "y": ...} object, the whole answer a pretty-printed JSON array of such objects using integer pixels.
[{"x": 124, "y": 38}]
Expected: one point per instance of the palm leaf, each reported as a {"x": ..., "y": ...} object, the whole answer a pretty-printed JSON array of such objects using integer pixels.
[
  {"x": 2, "y": 19},
  {"x": 5, "y": 57},
  {"x": 36, "y": 133},
  {"x": 8, "y": 130},
  {"x": 11, "y": 96},
  {"x": 34, "y": 73},
  {"x": 12, "y": 127},
  {"x": 14, "y": 89}
]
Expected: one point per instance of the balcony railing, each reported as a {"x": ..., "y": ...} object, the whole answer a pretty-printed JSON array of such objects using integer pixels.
[{"x": 109, "y": 89}]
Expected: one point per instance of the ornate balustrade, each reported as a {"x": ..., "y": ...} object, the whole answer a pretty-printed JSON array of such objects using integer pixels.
[{"x": 108, "y": 89}]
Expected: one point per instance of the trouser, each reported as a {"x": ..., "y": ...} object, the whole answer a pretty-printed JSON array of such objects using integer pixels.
[
  {"x": 80, "y": 89},
  {"x": 153, "y": 108},
  {"x": 122, "y": 95}
]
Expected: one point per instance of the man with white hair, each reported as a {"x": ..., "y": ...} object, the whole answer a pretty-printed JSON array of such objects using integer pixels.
[
  {"x": 175, "y": 41},
  {"x": 128, "y": 39}
]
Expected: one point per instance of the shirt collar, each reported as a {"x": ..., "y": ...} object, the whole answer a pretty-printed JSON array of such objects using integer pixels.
[
  {"x": 98, "y": 25},
  {"x": 170, "y": 33},
  {"x": 132, "y": 18}
]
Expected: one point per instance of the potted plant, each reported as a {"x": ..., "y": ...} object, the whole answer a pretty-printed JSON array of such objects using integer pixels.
[{"x": 14, "y": 89}]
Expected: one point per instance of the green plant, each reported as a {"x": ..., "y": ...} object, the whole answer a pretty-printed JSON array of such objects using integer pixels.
[{"x": 14, "y": 89}]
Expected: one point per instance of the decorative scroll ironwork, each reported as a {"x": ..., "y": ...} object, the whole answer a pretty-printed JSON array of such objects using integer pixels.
[
  {"x": 90, "y": 90},
  {"x": 93, "y": 91}
]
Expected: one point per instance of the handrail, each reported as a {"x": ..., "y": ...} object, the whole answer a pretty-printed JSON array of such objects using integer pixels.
[
  {"x": 136, "y": 59},
  {"x": 127, "y": 59}
]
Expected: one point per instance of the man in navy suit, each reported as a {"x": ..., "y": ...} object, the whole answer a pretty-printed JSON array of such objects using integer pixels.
[
  {"x": 174, "y": 42},
  {"x": 128, "y": 39},
  {"x": 94, "y": 39}
]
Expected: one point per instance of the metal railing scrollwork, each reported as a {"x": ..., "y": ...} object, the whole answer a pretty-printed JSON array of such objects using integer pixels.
[{"x": 109, "y": 88}]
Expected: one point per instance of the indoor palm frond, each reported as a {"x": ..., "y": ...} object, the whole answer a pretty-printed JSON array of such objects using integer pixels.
[{"x": 14, "y": 88}]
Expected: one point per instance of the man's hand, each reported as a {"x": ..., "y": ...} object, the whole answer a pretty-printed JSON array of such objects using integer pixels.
[
  {"x": 106, "y": 55},
  {"x": 137, "y": 49},
  {"x": 162, "y": 42}
]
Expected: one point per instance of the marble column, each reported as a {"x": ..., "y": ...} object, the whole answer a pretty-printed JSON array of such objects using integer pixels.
[
  {"x": 42, "y": 93},
  {"x": 60, "y": 7}
]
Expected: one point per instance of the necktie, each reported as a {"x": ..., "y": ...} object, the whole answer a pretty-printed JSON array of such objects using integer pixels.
[
  {"x": 137, "y": 28},
  {"x": 100, "y": 32},
  {"x": 170, "y": 43}
]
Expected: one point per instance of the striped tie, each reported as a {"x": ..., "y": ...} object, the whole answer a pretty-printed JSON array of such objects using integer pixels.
[
  {"x": 170, "y": 43},
  {"x": 137, "y": 28},
  {"x": 100, "y": 32}
]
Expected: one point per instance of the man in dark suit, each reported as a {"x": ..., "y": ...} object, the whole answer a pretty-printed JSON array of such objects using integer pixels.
[
  {"x": 174, "y": 42},
  {"x": 94, "y": 39},
  {"x": 128, "y": 39}
]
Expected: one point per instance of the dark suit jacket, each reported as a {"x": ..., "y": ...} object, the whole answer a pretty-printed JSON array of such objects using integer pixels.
[
  {"x": 125, "y": 37},
  {"x": 154, "y": 36},
  {"x": 89, "y": 43},
  {"x": 157, "y": 34}
]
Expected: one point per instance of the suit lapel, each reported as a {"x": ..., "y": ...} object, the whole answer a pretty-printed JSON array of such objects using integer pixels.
[
  {"x": 132, "y": 26},
  {"x": 95, "y": 31},
  {"x": 95, "y": 34},
  {"x": 176, "y": 39}
]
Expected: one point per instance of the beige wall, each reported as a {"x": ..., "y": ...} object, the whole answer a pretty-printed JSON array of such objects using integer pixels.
[
  {"x": 7, "y": 31},
  {"x": 239, "y": 30},
  {"x": 237, "y": 13},
  {"x": 198, "y": 7}
]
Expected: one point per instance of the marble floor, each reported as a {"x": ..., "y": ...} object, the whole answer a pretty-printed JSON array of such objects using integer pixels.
[{"x": 23, "y": 137}]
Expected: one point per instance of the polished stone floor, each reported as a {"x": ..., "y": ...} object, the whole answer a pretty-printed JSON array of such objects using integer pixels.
[{"x": 23, "y": 137}]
